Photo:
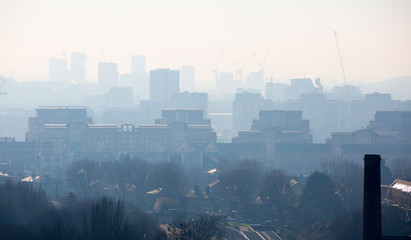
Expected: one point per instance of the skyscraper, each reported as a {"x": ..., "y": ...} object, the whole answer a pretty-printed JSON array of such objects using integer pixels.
[
  {"x": 57, "y": 69},
  {"x": 187, "y": 78},
  {"x": 163, "y": 83},
  {"x": 107, "y": 74},
  {"x": 138, "y": 64},
  {"x": 78, "y": 67}
]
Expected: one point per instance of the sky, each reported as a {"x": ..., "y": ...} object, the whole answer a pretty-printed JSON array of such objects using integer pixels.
[{"x": 374, "y": 36}]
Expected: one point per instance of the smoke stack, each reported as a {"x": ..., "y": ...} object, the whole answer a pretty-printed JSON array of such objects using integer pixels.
[{"x": 372, "y": 229}]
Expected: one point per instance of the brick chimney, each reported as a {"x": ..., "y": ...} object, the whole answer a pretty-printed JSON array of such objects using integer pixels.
[{"x": 372, "y": 229}]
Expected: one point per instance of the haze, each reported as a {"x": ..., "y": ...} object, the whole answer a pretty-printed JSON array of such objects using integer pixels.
[{"x": 374, "y": 37}]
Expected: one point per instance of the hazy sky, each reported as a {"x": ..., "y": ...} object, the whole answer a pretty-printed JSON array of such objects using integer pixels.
[{"x": 374, "y": 36}]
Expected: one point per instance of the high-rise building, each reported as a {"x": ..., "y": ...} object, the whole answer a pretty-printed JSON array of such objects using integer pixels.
[
  {"x": 57, "y": 70},
  {"x": 255, "y": 80},
  {"x": 187, "y": 78},
  {"x": 246, "y": 107},
  {"x": 138, "y": 64},
  {"x": 189, "y": 101},
  {"x": 107, "y": 74},
  {"x": 78, "y": 67},
  {"x": 304, "y": 85},
  {"x": 163, "y": 83},
  {"x": 226, "y": 83}
]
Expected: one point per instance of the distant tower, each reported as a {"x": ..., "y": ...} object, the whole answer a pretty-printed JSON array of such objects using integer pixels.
[
  {"x": 57, "y": 70},
  {"x": 107, "y": 74},
  {"x": 78, "y": 67},
  {"x": 138, "y": 64},
  {"x": 163, "y": 83},
  {"x": 187, "y": 78}
]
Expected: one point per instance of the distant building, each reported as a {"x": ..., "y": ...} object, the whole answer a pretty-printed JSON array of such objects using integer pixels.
[
  {"x": 107, "y": 74},
  {"x": 361, "y": 111},
  {"x": 58, "y": 70},
  {"x": 393, "y": 121},
  {"x": 255, "y": 80},
  {"x": 119, "y": 97},
  {"x": 389, "y": 135},
  {"x": 157, "y": 141},
  {"x": 190, "y": 117},
  {"x": 304, "y": 85},
  {"x": 226, "y": 83},
  {"x": 189, "y": 101},
  {"x": 276, "y": 126},
  {"x": 187, "y": 78},
  {"x": 78, "y": 67},
  {"x": 120, "y": 116},
  {"x": 138, "y": 64},
  {"x": 164, "y": 83},
  {"x": 246, "y": 107},
  {"x": 345, "y": 93},
  {"x": 276, "y": 91},
  {"x": 54, "y": 115},
  {"x": 325, "y": 115}
]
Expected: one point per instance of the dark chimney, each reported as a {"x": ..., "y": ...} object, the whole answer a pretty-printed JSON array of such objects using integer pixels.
[{"x": 372, "y": 229}]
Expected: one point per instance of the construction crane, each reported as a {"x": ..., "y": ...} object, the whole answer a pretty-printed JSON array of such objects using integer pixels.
[
  {"x": 102, "y": 51},
  {"x": 1, "y": 88},
  {"x": 239, "y": 72},
  {"x": 65, "y": 50},
  {"x": 215, "y": 71},
  {"x": 265, "y": 60},
  {"x": 339, "y": 56}
]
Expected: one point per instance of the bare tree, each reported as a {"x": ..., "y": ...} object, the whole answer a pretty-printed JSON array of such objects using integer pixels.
[
  {"x": 348, "y": 179},
  {"x": 80, "y": 175},
  {"x": 276, "y": 191},
  {"x": 203, "y": 227},
  {"x": 170, "y": 177},
  {"x": 401, "y": 168}
]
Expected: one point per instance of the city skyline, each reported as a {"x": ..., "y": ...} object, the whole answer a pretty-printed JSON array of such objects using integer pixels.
[{"x": 299, "y": 36}]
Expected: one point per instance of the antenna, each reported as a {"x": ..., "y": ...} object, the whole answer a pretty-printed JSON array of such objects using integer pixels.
[{"x": 65, "y": 50}]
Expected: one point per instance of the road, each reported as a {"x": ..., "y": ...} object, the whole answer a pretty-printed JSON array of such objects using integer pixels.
[{"x": 250, "y": 234}]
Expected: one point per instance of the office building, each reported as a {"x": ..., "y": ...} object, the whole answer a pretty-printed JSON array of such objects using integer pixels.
[
  {"x": 246, "y": 106},
  {"x": 164, "y": 83},
  {"x": 189, "y": 101}
]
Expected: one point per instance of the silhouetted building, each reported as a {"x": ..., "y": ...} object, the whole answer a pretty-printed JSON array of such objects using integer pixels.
[
  {"x": 304, "y": 85},
  {"x": 246, "y": 107},
  {"x": 276, "y": 91},
  {"x": 190, "y": 117},
  {"x": 107, "y": 74},
  {"x": 46, "y": 116},
  {"x": 393, "y": 121},
  {"x": 189, "y": 101},
  {"x": 382, "y": 136},
  {"x": 164, "y": 83},
  {"x": 276, "y": 126},
  {"x": 255, "y": 80}
]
